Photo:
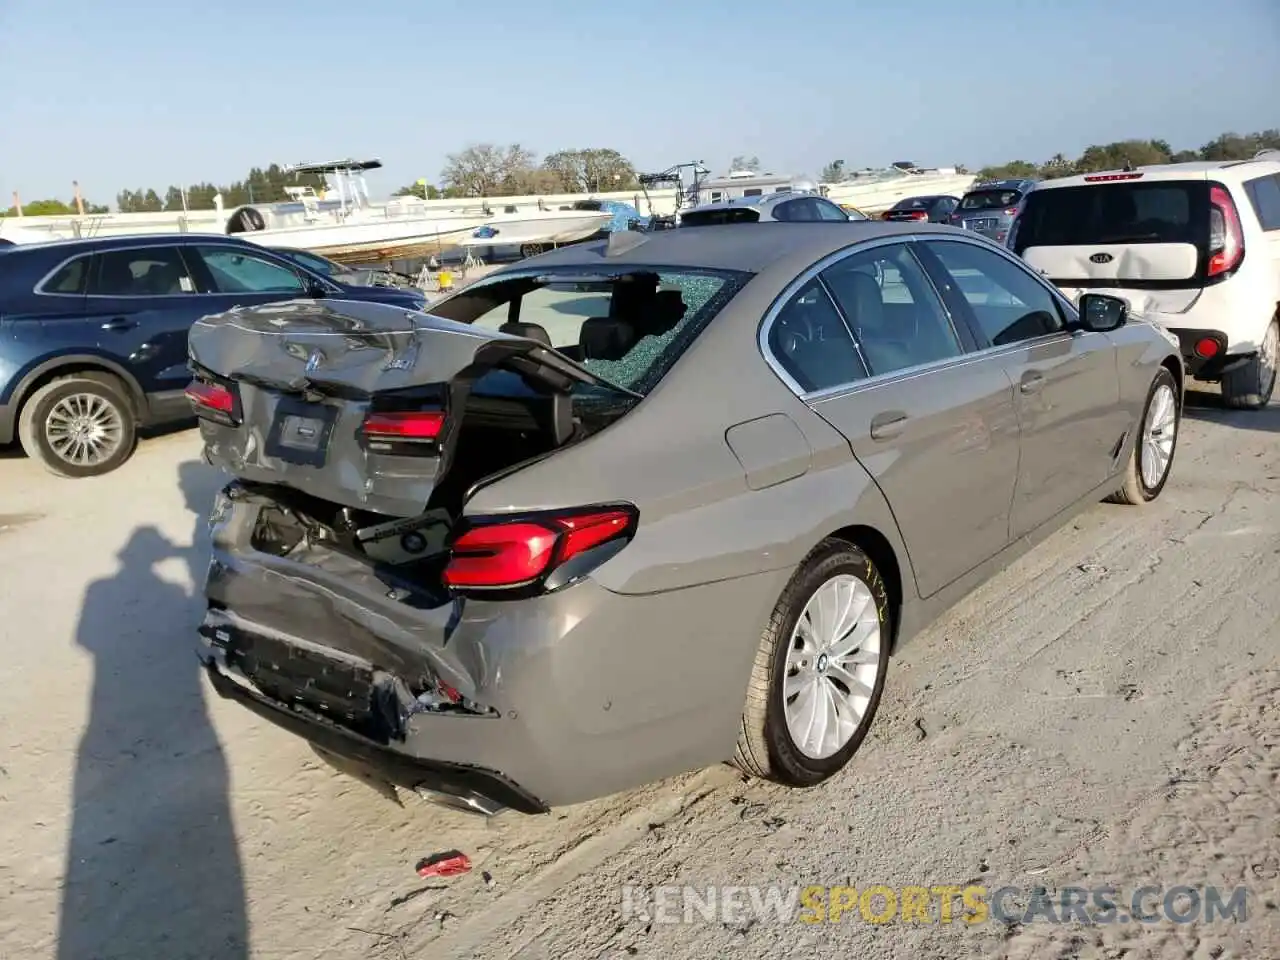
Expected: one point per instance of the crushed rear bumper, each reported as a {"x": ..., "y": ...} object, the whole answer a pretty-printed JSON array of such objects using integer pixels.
[{"x": 472, "y": 787}]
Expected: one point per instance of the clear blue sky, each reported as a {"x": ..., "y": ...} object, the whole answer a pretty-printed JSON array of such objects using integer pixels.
[{"x": 144, "y": 93}]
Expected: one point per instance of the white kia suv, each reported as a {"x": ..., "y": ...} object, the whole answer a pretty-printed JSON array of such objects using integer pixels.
[{"x": 1194, "y": 248}]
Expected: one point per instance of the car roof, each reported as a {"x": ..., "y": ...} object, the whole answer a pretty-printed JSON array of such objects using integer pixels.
[
  {"x": 1013, "y": 184},
  {"x": 117, "y": 241},
  {"x": 727, "y": 246},
  {"x": 1190, "y": 170},
  {"x": 764, "y": 200}
]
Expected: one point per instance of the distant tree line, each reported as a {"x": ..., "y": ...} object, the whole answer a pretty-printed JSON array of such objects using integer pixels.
[
  {"x": 1112, "y": 156},
  {"x": 490, "y": 170}
]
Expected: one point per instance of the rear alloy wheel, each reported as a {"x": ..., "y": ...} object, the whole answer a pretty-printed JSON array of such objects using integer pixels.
[
  {"x": 1251, "y": 386},
  {"x": 819, "y": 671},
  {"x": 1154, "y": 447},
  {"x": 78, "y": 427}
]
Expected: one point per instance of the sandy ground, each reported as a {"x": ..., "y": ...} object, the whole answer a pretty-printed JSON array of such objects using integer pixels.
[{"x": 1104, "y": 712}]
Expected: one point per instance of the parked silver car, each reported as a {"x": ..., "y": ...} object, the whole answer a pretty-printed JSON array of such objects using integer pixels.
[
  {"x": 785, "y": 206},
  {"x": 638, "y": 506}
]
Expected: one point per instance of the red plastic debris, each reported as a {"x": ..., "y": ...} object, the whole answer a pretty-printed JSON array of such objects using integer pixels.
[{"x": 448, "y": 864}]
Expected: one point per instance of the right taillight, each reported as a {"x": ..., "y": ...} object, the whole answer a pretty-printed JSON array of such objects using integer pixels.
[
  {"x": 214, "y": 401},
  {"x": 536, "y": 552},
  {"x": 407, "y": 433},
  {"x": 1226, "y": 234}
]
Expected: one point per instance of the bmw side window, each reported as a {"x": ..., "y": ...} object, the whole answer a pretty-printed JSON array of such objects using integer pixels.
[
  {"x": 1264, "y": 197},
  {"x": 811, "y": 342},
  {"x": 1007, "y": 302},
  {"x": 897, "y": 318},
  {"x": 70, "y": 278},
  {"x": 235, "y": 271},
  {"x": 141, "y": 272}
]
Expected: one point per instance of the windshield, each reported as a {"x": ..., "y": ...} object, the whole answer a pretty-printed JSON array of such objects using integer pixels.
[
  {"x": 990, "y": 199},
  {"x": 1161, "y": 211},
  {"x": 319, "y": 264},
  {"x": 627, "y": 328}
]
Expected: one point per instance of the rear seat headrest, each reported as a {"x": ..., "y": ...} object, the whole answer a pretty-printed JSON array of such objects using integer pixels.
[
  {"x": 605, "y": 338},
  {"x": 530, "y": 331}
]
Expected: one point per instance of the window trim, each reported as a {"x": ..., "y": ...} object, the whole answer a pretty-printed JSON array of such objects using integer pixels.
[
  {"x": 94, "y": 252},
  {"x": 974, "y": 351}
]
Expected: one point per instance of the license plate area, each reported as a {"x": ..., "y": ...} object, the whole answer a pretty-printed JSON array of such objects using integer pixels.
[{"x": 301, "y": 432}]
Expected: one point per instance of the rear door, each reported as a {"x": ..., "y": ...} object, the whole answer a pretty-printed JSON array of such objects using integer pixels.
[
  {"x": 139, "y": 304},
  {"x": 1067, "y": 383},
  {"x": 872, "y": 350},
  {"x": 1144, "y": 240}
]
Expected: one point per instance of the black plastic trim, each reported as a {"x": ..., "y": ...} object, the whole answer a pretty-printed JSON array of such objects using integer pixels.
[{"x": 453, "y": 779}]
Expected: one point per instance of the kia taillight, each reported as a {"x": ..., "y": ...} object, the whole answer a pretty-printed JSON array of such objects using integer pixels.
[
  {"x": 531, "y": 553},
  {"x": 214, "y": 401},
  {"x": 406, "y": 433},
  {"x": 1226, "y": 234}
]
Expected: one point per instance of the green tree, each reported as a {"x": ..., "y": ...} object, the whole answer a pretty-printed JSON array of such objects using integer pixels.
[
  {"x": 742, "y": 162},
  {"x": 592, "y": 170},
  {"x": 421, "y": 190},
  {"x": 1013, "y": 170},
  {"x": 833, "y": 172},
  {"x": 487, "y": 170}
]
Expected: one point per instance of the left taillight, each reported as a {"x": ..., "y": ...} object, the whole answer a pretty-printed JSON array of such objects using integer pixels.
[
  {"x": 219, "y": 402},
  {"x": 533, "y": 553}
]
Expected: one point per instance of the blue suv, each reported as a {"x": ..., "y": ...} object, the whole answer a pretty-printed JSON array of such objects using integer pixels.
[{"x": 93, "y": 334}]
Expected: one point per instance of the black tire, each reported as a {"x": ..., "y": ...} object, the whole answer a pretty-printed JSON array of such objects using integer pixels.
[
  {"x": 530, "y": 250},
  {"x": 1251, "y": 386},
  {"x": 765, "y": 747},
  {"x": 34, "y": 424},
  {"x": 1135, "y": 490}
]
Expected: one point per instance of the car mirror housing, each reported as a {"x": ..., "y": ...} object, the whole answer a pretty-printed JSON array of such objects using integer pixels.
[{"x": 1100, "y": 313}]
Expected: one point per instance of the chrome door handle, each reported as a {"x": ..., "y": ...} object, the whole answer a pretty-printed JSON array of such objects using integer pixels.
[
  {"x": 885, "y": 426},
  {"x": 119, "y": 323},
  {"x": 1031, "y": 382}
]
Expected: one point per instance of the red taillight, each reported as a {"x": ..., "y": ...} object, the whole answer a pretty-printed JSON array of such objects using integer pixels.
[
  {"x": 1108, "y": 177},
  {"x": 529, "y": 551},
  {"x": 1011, "y": 211},
  {"x": 1226, "y": 235},
  {"x": 211, "y": 396},
  {"x": 1207, "y": 348},
  {"x": 919, "y": 215},
  {"x": 416, "y": 426}
]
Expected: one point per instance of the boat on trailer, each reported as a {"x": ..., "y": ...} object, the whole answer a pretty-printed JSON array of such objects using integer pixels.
[{"x": 346, "y": 228}]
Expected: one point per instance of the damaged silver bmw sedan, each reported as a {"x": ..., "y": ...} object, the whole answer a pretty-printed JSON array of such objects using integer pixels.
[{"x": 639, "y": 506}]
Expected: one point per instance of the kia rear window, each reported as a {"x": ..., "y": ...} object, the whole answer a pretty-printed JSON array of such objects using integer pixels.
[
  {"x": 1161, "y": 211},
  {"x": 627, "y": 328},
  {"x": 990, "y": 199}
]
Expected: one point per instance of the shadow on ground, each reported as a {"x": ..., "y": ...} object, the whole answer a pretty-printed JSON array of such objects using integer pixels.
[
  {"x": 1209, "y": 407},
  {"x": 153, "y": 868}
]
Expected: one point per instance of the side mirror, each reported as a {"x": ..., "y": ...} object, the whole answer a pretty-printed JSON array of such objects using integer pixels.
[{"x": 1102, "y": 314}]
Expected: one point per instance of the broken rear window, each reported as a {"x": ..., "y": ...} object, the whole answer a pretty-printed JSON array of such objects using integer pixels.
[{"x": 626, "y": 328}]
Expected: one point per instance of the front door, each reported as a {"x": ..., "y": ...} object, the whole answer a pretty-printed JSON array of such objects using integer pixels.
[
  {"x": 1067, "y": 385},
  {"x": 934, "y": 426},
  {"x": 229, "y": 276}
]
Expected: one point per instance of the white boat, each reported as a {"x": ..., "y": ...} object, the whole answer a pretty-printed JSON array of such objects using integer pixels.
[
  {"x": 347, "y": 228},
  {"x": 531, "y": 230}
]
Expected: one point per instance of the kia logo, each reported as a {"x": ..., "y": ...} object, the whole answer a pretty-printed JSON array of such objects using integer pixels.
[{"x": 1101, "y": 258}]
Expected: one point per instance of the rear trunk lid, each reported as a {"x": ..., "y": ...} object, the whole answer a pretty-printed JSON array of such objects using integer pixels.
[
  {"x": 357, "y": 403},
  {"x": 1148, "y": 239}
]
